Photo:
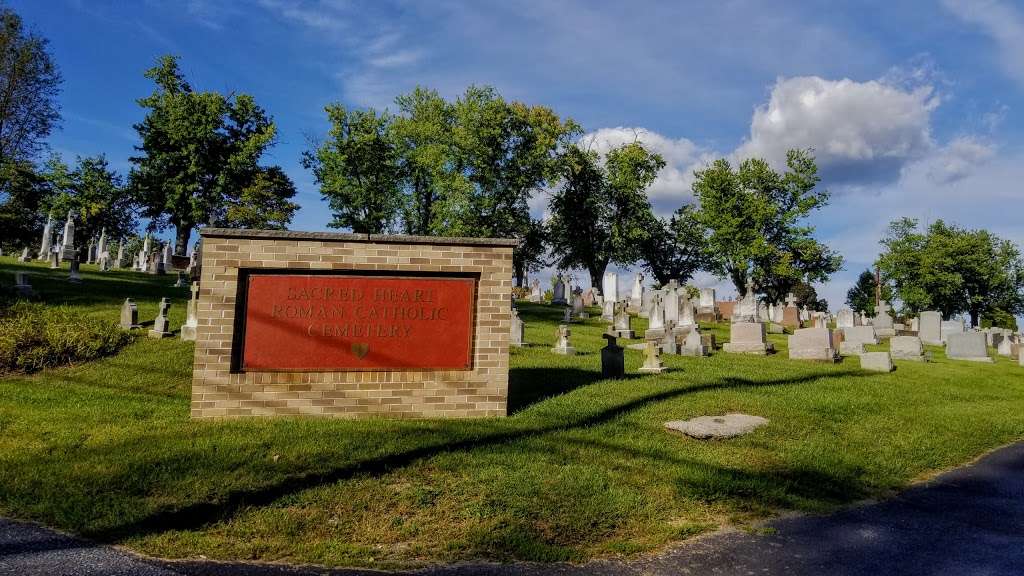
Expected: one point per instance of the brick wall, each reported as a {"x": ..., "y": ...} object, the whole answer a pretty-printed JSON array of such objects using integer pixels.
[{"x": 219, "y": 392}]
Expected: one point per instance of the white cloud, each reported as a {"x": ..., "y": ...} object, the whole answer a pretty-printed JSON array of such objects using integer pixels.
[
  {"x": 861, "y": 132},
  {"x": 958, "y": 159},
  {"x": 1003, "y": 22}
]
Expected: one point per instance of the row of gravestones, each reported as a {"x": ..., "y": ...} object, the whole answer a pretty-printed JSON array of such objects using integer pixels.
[{"x": 161, "y": 324}]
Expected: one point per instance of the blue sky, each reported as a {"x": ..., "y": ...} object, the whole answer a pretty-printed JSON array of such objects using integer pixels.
[{"x": 914, "y": 108}]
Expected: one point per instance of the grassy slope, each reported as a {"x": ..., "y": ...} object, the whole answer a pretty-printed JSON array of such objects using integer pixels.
[{"x": 107, "y": 450}]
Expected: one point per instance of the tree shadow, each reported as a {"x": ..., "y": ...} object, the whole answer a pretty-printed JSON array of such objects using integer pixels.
[
  {"x": 199, "y": 514},
  {"x": 527, "y": 386}
]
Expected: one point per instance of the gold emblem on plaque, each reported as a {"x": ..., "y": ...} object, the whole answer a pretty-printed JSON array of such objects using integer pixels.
[{"x": 360, "y": 349}]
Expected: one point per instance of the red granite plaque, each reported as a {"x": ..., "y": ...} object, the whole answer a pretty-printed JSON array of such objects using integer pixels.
[{"x": 326, "y": 323}]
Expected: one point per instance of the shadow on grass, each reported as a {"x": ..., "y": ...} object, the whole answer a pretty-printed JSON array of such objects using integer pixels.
[
  {"x": 199, "y": 514},
  {"x": 527, "y": 386}
]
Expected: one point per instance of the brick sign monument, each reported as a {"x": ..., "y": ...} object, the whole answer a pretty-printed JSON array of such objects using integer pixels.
[{"x": 327, "y": 324}]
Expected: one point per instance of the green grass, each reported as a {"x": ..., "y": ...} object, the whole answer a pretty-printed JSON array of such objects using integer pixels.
[{"x": 581, "y": 468}]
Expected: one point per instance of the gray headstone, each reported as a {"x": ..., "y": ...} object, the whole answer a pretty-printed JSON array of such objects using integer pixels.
[
  {"x": 812, "y": 344},
  {"x": 129, "y": 315},
  {"x": 860, "y": 334},
  {"x": 652, "y": 358},
  {"x": 707, "y": 427},
  {"x": 876, "y": 362},
  {"x": 906, "y": 348},
  {"x": 188, "y": 329},
  {"x": 562, "y": 343},
  {"x": 967, "y": 346},
  {"x": 162, "y": 325},
  {"x": 747, "y": 338},
  {"x": 929, "y": 327}
]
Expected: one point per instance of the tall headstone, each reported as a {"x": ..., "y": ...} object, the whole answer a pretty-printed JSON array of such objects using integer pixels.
[
  {"x": 101, "y": 247},
  {"x": 578, "y": 310},
  {"x": 791, "y": 314},
  {"x": 165, "y": 257},
  {"x": 747, "y": 338},
  {"x": 706, "y": 309},
  {"x": 144, "y": 254},
  {"x": 1006, "y": 345},
  {"x": 636, "y": 295},
  {"x": 25, "y": 257},
  {"x": 129, "y": 315},
  {"x": 120, "y": 254},
  {"x": 613, "y": 361},
  {"x": 188, "y": 329},
  {"x": 652, "y": 358},
  {"x": 687, "y": 311},
  {"x": 562, "y": 343},
  {"x": 74, "y": 276},
  {"x": 46, "y": 244},
  {"x": 952, "y": 327},
  {"x": 655, "y": 319},
  {"x": 693, "y": 344},
  {"x": 812, "y": 344},
  {"x": 670, "y": 303},
  {"x": 67, "y": 247},
  {"x": 559, "y": 291},
  {"x": 930, "y": 327},
  {"x": 882, "y": 322},
  {"x": 162, "y": 325},
  {"x": 844, "y": 319},
  {"x": 610, "y": 291},
  {"x": 967, "y": 346},
  {"x": 90, "y": 252},
  {"x": 54, "y": 259},
  {"x": 746, "y": 308}
]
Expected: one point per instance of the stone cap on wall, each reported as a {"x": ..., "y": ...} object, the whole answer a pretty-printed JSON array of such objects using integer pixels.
[{"x": 350, "y": 237}]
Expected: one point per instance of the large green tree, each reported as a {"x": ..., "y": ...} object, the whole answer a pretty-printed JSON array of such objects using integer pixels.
[
  {"x": 94, "y": 194},
  {"x": 199, "y": 152},
  {"x": 600, "y": 213},
  {"x": 674, "y": 249},
  {"x": 22, "y": 209},
  {"x": 754, "y": 221},
  {"x": 952, "y": 270},
  {"x": 861, "y": 297},
  {"x": 29, "y": 86},
  {"x": 357, "y": 168}
]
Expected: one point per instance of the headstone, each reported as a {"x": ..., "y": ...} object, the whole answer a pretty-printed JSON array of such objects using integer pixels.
[
  {"x": 906, "y": 348},
  {"x": 1020, "y": 355},
  {"x": 812, "y": 344},
  {"x": 670, "y": 304},
  {"x": 725, "y": 309},
  {"x": 952, "y": 327},
  {"x": 182, "y": 279},
  {"x": 588, "y": 298},
  {"x": 165, "y": 257},
  {"x": 747, "y": 338},
  {"x": 621, "y": 327},
  {"x": 967, "y": 346},
  {"x": 73, "y": 275},
  {"x": 636, "y": 295},
  {"x": 850, "y": 348},
  {"x": 652, "y": 358},
  {"x": 188, "y": 329},
  {"x": 22, "y": 285},
  {"x": 820, "y": 320},
  {"x": 46, "y": 244},
  {"x": 746, "y": 309},
  {"x": 559, "y": 291},
  {"x": 687, "y": 312},
  {"x": 144, "y": 254},
  {"x": 536, "y": 295},
  {"x": 25, "y": 255},
  {"x": 706, "y": 309},
  {"x": 613, "y": 362},
  {"x": 54, "y": 259},
  {"x": 717, "y": 427},
  {"x": 129, "y": 315},
  {"x": 1006, "y": 346},
  {"x": 693, "y": 344},
  {"x": 120, "y": 254},
  {"x": 860, "y": 334},
  {"x": 90, "y": 252},
  {"x": 578, "y": 310},
  {"x": 930, "y": 327},
  {"x": 162, "y": 325},
  {"x": 68, "y": 239},
  {"x": 791, "y": 314},
  {"x": 645, "y": 303},
  {"x": 610, "y": 292},
  {"x": 567, "y": 316},
  {"x": 562, "y": 343},
  {"x": 101, "y": 247},
  {"x": 844, "y": 319},
  {"x": 655, "y": 319},
  {"x": 883, "y": 322},
  {"x": 876, "y": 362},
  {"x": 915, "y": 325}
]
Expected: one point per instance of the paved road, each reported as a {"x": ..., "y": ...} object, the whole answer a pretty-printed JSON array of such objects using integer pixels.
[{"x": 966, "y": 522}]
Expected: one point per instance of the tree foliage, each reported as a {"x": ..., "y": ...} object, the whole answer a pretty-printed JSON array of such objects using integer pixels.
[
  {"x": 806, "y": 295},
  {"x": 674, "y": 249},
  {"x": 29, "y": 86},
  {"x": 600, "y": 213},
  {"x": 952, "y": 270},
  {"x": 861, "y": 297},
  {"x": 200, "y": 153},
  {"x": 22, "y": 213},
  {"x": 94, "y": 194},
  {"x": 753, "y": 217}
]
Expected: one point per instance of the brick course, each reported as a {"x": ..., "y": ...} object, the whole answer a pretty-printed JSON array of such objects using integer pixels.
[{"x": 217, "y": 392}]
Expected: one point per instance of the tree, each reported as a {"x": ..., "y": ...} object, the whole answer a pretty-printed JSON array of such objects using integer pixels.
[
  {"x": 22, "y": 215},
  {"x": 806, "y": 295},
  {"x": 600, "y": 213},
  {"x": 94, "y": 194},
  {"x": 357, "y": 170},
  {"x": 952, "y": 270},
  {"x": 504, "y": 152},
  {"x": 264, "y": 203},
  {"x": 674, "y": 249},
  {"x": 861, "y": 297},
  {"x": 753, "y": 221},
  {"x": 200, "y": 151},
  {"x": 29, "y": 86}
]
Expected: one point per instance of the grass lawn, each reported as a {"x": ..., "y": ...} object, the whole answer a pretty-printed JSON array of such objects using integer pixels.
[{"x": 581, "y": 468}]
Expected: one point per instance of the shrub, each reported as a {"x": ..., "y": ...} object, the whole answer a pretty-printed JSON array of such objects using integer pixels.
[{"x": 34, "y": 336}]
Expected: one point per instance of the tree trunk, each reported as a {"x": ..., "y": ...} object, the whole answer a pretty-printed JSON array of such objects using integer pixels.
[
  {"x": 975, "y": 318},
  {"x": 520, "y": 273},
  {"x": 596, "y": 271},
  {"x": 181, "y": 237}
]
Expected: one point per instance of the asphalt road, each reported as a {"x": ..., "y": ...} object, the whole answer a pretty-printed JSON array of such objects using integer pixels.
[{"x": 969, "y": 521}]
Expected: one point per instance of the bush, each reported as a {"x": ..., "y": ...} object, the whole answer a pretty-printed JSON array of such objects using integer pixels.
[{"x": 34, "y": 336}]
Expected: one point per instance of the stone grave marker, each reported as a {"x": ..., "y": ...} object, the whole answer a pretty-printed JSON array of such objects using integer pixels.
[
  {"x": 129, "y": 315},
  {"x": 844, "y": 319},
  {"x": 930, "y": 327},
  {"x": 791, "y": 314},
  {"x": 636, "y": 295},
  {"x": 860, "y": 334},
  {"x": 621, "y": 327},
  {"x": 536, "y": 294},
  {"x": 812, "y": 344},
  {"x": 47, "y": 241},
  {"x": 906, "y": 348},
  {"x": 610, "y": 292},
  {"x": 952, "y": 327},
  {"x": 652, "y": 358},
  {"x": 21, "y": 284},
  {"x": 707, "y": 311},
  {"x": 967, "y": 346},
  {"x": 613, "y": 362},
  {"x": 717, "y": 427},
  {"x": 693, "y": 344},
  {"x": 876, "y": 362},
  {"x": 188, "y": 329},
  {"x": 73, "y": 274},
  {"x": 562, "y": 343},
  {"x": 747, "y": 338},
  {"x": 162, "y": 325},
  {"x": 883, "y": 322},
  {"x": 655, "y": 319}
]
